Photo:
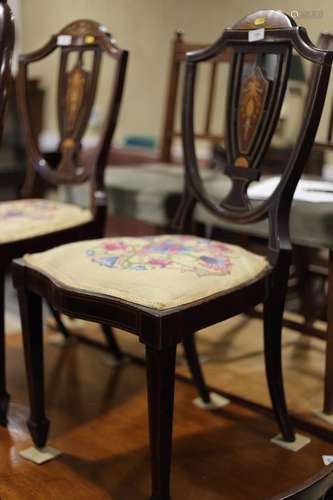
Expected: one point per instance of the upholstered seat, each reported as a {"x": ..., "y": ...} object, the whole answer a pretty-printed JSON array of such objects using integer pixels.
[
  {"x": 28, "y": 218},
  {"x": 156, "y": 271}
]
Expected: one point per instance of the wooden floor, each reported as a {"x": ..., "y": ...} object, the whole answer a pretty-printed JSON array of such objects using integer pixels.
[{"x": 99, "y": 421}]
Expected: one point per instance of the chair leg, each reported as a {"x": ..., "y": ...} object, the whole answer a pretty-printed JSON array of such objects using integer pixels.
[
  {"x": 328, "y": 392},
  {"x": 193, "y": 362},
  {"x": 273, "y": 315},
  {"x": 32, "y": 328},
  {"x": 161, "y": 380},
  {"x": 59, "y": 322},
  {"x": 112, "y": 342},
  {"x": 4, "y": 396}
]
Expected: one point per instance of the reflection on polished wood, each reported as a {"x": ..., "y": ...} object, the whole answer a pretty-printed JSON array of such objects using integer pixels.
[
  {"x": 99, "y": 417},
  {"x": 233, "y": 362}
]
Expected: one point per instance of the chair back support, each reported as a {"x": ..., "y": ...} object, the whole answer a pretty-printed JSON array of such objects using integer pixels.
[
  {"x": 325, "y": 42},
  {"x": 318, "y": 487},
  {"x": 7, "y": 38},
  {"x": 77, "y": 85},
  {"x": 258, "y": 78},
  {"x": 178, "y": 59}
]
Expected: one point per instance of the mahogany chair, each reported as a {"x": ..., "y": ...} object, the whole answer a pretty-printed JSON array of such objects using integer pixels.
[
  {"x": 164, "y": 288},
  {"x": 170, "y": 132},
  {"x": 33, "y": 224}
]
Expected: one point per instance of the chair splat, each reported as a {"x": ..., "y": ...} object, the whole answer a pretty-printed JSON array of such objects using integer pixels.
[
  {"x": 76, "y": 95},
  {"x": 257, "y": 84}
]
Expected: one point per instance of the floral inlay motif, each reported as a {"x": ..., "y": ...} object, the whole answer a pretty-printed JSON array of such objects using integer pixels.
[{"x": 253, "y": 94}]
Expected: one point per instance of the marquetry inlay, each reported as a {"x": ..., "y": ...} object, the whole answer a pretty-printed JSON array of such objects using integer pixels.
[
  {"x": 253, "y": 93},
  {"x": 76, "y": 83},
  {"x": 241, "y": 162},
  {"x": 80, "y": 28}
]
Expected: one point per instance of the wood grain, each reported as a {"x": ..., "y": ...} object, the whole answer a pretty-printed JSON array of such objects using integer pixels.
[{"x": 99, "y": 416}]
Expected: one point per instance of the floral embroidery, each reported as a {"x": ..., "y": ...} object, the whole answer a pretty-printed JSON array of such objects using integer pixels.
[
  {"x": 29, "y": 209},
  {"x": 183, "y": 253}
]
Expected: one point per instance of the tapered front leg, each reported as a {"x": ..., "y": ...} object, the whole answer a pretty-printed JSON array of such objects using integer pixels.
[
  {"x": 32, "y": 328},
  {"x": 161, "y": 382},
  {"x": 4, "y": 396},
  {"x": 273, "y": 316}
]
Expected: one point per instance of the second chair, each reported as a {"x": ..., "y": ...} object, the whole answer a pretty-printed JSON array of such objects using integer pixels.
[{"x": 34, "y": 224}]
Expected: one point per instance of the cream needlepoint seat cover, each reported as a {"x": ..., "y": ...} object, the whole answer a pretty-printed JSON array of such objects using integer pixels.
[
  {"x": 155, "y": 271},
  {"x": 21, "y": 219}
]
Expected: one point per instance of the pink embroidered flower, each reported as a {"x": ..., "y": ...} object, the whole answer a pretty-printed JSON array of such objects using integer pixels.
[
  {"x": 219, "y": 246},
  {"x": 115, "y": 245},
  {"x": 165, "y": 247},
  {"x": 159, "y": 262},
  {"x": 185, "y": 237},
  {"x": 182, "y": 253}
]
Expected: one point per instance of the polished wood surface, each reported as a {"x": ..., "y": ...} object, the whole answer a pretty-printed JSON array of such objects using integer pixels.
[
  {"x": 99, "y": 415},
  {"x": 233, "y": 361},
  {"x": 318, "y": 487}
]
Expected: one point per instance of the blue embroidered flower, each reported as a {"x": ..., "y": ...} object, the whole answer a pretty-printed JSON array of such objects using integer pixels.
[
  {"x": 210, "y": 260},
  {"x": 167, "y": 247},
  {"x": 12, "y": 213},
  {"x": 109, "y": 261},
  {"x": 214, "y": 262}
]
